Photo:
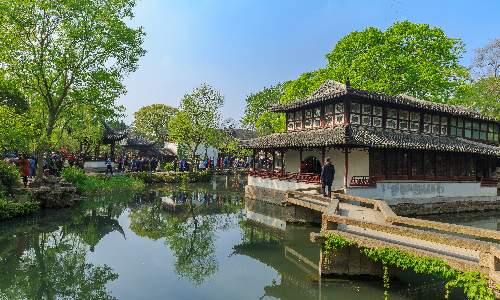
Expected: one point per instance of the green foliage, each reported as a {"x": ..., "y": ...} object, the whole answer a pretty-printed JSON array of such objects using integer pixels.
[
  {"x": 474, "y": 284},
  {"x": 100, "y": 184},
  {"x": 17, "y": 130},
  {"x": 407, "y": 58},
  {"x": 10, "y": 208},
  {"x": 257, "y": 116},
  {"x": 482, "y": 93},
  {"x": 168, "y": 167},
  {"x": 152, "y": 122},
  {"x": 149, "y": 178},
  {"x": 9, "y": 176},
  {"x": 65, "y": 54},
  {"x": 198, "y": 118}
]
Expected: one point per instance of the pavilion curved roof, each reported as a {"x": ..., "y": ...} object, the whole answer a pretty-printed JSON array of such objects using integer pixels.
[
  {"x": 110, "y": 134},
  {"x": 352, "y": 135},
  {"x": 331, "y": 89},
  {"x": 137, "y": 141}
]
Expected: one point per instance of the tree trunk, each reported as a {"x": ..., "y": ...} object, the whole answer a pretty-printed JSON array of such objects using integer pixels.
[{"x": 39, "y": 170}]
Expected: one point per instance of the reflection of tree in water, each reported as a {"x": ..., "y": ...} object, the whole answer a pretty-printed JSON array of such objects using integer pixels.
[
  {"x": 51, "y": 265},
  {"x": 148, "y": 221},
  {"x": 189, "y": 223},
  {"x": 47, "y": 257}
]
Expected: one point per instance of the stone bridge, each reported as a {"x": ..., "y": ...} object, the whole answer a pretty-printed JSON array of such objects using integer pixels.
[{"x": 372, "y": 224}]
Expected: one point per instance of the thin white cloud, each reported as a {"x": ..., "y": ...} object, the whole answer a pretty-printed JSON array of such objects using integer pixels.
[{"x": 166, "y": 61}]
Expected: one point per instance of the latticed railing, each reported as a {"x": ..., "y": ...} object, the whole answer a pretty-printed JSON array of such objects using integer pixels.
[
  {"x": 363, "y": 181},
  {"x": 489, "y": 182},
  {"x": 302, "y": 177}
]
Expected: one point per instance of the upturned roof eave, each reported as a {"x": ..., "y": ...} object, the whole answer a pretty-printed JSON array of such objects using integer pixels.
[{"x": 339, "y": 90}]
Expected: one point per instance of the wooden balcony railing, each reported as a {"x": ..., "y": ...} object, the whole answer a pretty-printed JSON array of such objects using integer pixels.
[
  {"x": 298, "y": 177},
  {"x": 489, "y": 182}
]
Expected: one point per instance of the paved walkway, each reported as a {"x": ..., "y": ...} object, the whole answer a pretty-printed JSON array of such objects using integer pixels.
[{"x": 370, "y": 215}]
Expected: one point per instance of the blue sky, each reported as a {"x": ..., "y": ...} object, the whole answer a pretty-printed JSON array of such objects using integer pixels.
[{"x": 239, "y": 47}]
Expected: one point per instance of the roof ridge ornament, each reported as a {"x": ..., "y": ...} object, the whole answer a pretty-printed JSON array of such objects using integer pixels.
[{"x": 348, "y": 83}]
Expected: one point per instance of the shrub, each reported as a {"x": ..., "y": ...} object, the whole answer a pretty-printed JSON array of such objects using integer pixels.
[
  {"x": 101, "y": 184},
  {"x": 10, "y": 208},
  {"x": 9, "y": 176},
  {"x": 168, "y": 167}
]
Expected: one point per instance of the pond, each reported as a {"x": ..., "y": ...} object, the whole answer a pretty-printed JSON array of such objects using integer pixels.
[{"x": 185, "y": 241}]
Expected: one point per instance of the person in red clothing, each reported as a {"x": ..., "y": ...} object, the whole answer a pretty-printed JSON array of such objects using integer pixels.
[{"x": 25, "y": 169}]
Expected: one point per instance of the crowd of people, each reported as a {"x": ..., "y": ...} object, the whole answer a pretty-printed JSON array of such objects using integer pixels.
[{"x": 53, "y": 163}]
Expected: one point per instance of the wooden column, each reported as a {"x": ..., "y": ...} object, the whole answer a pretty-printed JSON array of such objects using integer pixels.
[
  {"x": 346, "y": 165},
  {"x": 253, "y": 161},
  {"x": 489, "y": 167},
  {"x": 265, "y": 160},
  {"x": 274, "y": 154},
  {"x": 113, "y": 150},
  {"x": 282, "y": 161},
  {"x": 300, "y": 163}
]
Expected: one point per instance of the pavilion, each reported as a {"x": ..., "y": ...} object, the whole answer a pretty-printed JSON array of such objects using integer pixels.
[{"x": 383, "y": 146}]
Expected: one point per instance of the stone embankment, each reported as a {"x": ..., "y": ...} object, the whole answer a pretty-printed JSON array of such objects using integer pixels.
[
  {"x": 53, "y": 192},
  {"x": 447, "y": 207}
]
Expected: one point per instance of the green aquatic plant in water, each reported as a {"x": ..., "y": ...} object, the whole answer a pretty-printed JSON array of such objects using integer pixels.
[
  {"x": 474, "y": 284},
  {"x": 100, "y": 184}
]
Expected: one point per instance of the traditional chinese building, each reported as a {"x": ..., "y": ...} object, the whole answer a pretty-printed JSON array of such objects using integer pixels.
[{"x": 384, "y": 146}]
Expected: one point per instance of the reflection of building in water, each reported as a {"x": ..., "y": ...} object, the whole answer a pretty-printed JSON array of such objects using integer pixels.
[
  {"x": 289, "y": 253},
  {"x": 91, "y": 229},
  {"x": 265, "y": 213}
]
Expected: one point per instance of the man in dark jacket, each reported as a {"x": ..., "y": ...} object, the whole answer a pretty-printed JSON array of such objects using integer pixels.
[{"x": 327, "y": 177}]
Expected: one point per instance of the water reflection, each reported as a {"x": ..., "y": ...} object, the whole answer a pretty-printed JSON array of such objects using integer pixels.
[
  {"x": 205, "y": 235},
  {"x": 40, "y": 259}
]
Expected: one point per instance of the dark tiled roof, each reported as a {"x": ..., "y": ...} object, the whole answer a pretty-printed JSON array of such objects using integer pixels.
[
  {"x": 137, "y": 141},
  {"x": 368, "y": 136},
  {"x": 110, "y": 134},
  {"x": 331, "y": 89}
]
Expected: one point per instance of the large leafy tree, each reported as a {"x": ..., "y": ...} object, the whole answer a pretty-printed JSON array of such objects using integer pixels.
[
  {"x": 257, "y": 116},
  {"x": 153, "y": 121},
  {"x": 198, "y": 117},
  {"x": 482, "y": 92},
  {"x": 62, "y": 54},
  {"x": 408, "y": 58}
]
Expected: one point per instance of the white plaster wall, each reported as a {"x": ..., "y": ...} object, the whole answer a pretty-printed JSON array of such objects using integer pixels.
[
  {"x": 402, "y": 190},
  {"x": 97, "y": 164},
  {"x": 292, "y": 161},
  {"x": 359, "y": 164},
  {"x": 172, "y": 146},
  {"x": 281, "y": 185},
  {"x": 212, "y": 152}
]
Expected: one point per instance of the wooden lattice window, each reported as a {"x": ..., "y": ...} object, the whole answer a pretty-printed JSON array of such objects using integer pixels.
[
  {"x": 392, "y": 119},
  {"x": 355, "y": 114},
  {"x": 317, "y": 117},
  {"x": 366, "y": 115},
  {"x": 404, "y": 117},
  {"x": 339, "y": 114},
  {"x": 308, "y": 118},
  {"x": 298, "y": 120},
  {"x": 377, "y": 116},
  {"x": 329, "y": 115},
  {"x": 290, "y": 120},
  {"x": 414, "y": 122}
]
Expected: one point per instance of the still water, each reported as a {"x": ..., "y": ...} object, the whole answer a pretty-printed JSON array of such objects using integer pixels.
[{"x": 190, "y": 241}]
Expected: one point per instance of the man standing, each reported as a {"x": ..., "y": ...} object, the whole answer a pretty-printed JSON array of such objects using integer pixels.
[
  {"x": 327, "y": 177},
  {"x": 109, "y": 166}
]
